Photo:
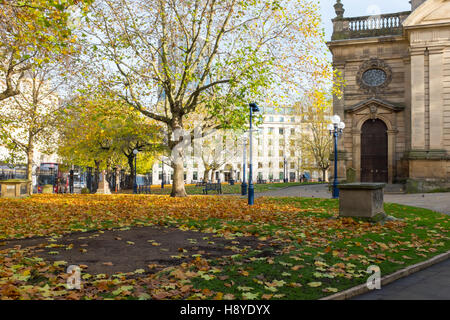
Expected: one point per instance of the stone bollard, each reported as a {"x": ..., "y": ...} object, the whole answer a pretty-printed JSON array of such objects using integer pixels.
[{"x": 362, "y": 200}]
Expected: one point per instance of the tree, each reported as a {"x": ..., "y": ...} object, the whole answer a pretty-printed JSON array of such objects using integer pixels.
[
  {"x": 166, "y": 58},
  {"x": 315, "y": 139},
  {"x": 101, "y": 131},
  {"x": 31, "y": 33},
  {"x": 28, "y": 119}
]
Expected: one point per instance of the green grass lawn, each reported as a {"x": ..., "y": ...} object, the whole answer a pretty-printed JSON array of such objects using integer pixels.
[{"x": 316, "y": 262}]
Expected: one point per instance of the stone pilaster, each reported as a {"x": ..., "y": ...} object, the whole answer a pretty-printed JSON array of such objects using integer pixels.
[
  {"x": 418, "y": 99},
  {"x": 436, "y": 98}
]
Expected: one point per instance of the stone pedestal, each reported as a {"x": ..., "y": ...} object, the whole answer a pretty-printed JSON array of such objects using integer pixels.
[
  {"x": 364, "y": 200},
  {"x": 103, "y": 186},
  {"x": 15, "y": 188}
]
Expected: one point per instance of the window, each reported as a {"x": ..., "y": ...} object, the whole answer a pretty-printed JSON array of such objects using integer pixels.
[
  {"x": 292, "y": 165},
  {"x": 195, "y": 175},
  {"x": 292, "y": 153},
  {"x": 260, "y": 153},
  {"x": 270, "y": 153},
  {"x": 281, "y": 153},
  {"x": 270, "y": 130},
  {"x": 195, "y": 165},
  {"x": 281, "y": 131},
  {"x": 260, "y": 165},
  {"x": 281, "y": 165},
  {"x": 281, "y": 175},
  {"x": 281, "y": 142},
  {"x": 292, "y": 119},
  {"x": 374, "y": 77},
  {"x": 292, "y": 131},
  {"x": 271, "y": 119},
  {"x": 270, "y": 142},
  {"x": 270, "y": 164},
  {"x": 281, "y": 119}
]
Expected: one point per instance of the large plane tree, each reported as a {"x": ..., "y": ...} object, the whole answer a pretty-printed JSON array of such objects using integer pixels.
[{"x": 168, "y": 58}]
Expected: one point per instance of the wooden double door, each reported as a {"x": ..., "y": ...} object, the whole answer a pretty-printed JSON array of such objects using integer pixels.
[{"x": 374, "y": 151}]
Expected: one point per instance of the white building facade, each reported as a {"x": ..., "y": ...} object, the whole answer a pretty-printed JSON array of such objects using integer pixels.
[{"x": 275, "y": 150}]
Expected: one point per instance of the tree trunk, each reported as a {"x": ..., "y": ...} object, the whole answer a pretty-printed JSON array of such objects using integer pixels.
[
  {"x": 131, "y": 165},
  {"x": 178, "y": 189},
  {"x": 324, "y": 174},
  {"x": 206, "y": 174},
  {"x": 30, "y": 154},
  {"x": 117, "y": 175}
]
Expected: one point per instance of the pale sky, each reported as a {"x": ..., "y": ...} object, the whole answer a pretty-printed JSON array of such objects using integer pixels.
[{"x": 355, "y": 8}]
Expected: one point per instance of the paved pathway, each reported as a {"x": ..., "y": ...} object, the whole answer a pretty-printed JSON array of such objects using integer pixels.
[
  {"x": 439, "y": 202},
  {"x": 432, "y": 283}
]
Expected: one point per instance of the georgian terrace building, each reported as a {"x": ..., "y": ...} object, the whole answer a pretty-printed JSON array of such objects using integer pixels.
[
  {"x": 274, "y": 154},
  {"x": 396, "y": 103}
]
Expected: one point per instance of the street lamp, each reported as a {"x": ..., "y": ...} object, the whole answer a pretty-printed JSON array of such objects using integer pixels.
[
  {"x": 162, "y": 175},
  {"x": 244, "y": 161},
  {"x": 336, "y": 129},
  {"x": 251, "y": 190},
  {"x": 135, "y": 152}
]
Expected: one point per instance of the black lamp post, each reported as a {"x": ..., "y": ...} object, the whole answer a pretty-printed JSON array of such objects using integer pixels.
[
  {"x": 244, "y": 163},
  {"x": 285, "y": 170},
  {"x": 251, "y": 190},
  {"x": 135, "y": 152},
  {"x": 162, "y": 175},
  {"x": 336, "y": 129}
]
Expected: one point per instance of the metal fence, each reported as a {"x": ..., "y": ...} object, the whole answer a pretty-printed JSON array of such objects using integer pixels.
[{"x": 12, "y": 173}]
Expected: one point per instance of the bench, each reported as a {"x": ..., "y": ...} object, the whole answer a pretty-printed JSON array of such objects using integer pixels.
[
  {"x": 212, "y": 187},
  {"x": 144, "y": 189},
  {"x": 200, "y": 184},
  {"x": 261, "y": 181}
]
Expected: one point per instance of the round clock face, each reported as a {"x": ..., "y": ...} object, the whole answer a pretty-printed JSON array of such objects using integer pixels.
[{"x": 374, "y": 77}]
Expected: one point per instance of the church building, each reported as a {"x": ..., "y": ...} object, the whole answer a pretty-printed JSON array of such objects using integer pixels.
[{"x": 396, "y": 98}]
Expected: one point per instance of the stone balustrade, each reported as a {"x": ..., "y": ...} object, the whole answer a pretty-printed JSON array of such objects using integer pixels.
[{"x": 369, "y": 26}]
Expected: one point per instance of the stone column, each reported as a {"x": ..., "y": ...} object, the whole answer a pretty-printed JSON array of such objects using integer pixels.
[
  {"x": 436, "y": 101},
  {"x": 391, "y": 154},
  {"x": 418, "y": 99}
]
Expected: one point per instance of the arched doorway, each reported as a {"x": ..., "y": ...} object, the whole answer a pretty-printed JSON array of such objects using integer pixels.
[{"x": 374, "y": 151}]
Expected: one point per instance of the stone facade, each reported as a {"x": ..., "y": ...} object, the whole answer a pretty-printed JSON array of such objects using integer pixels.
[{"x": 397, "y": 70}]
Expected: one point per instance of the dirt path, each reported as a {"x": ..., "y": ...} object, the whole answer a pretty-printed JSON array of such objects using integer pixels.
[{"x": 149, "y": 248}]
